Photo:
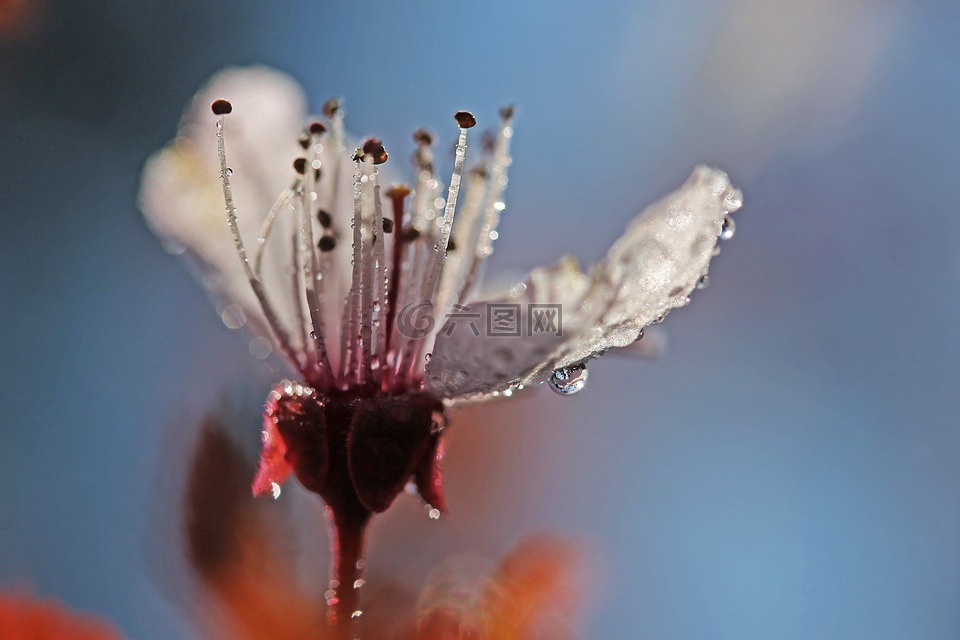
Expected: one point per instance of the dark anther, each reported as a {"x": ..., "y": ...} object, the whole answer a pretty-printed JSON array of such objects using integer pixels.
[
  {"x": 410, "y": 234},
  {"x": 373, "y": 149},
  {"x": 304, "y": 141},
  {"x": 451, "y": 245},
  {"x": 327, "y": 243},
  {"x": 221, "y": 107},
  {"x": 506, "y": 111},
  {"x": 422, "y": 136},
  {"x": 300, "y": 165},
  {"x": 465, "y": 119},
  {"x": 324, "y": 218},
  {"x": 387, "y": 225},
  {"x": 316, "y": 128},
  {"x": 316, "y": 174},
  {"x": 398, "y": 191},
  {"x": 331, "y": 106}
]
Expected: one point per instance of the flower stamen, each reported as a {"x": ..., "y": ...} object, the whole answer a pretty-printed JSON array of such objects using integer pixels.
[
  {"x": 465, "y": 120},
  {"x": 310, "y": 261},
  {"x": 221, "y": 108},
  {"x": 494, "y": 204}
]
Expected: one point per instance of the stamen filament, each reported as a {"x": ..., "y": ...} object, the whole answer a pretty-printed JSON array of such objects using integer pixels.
[
  {"x": 397, "y": 196},
  {"x": 368, "y": 286},
  {"x": 283, "y": 338},
  {"x": 494, "y": 205},
  {"x": 379, "y": 284},
  {"x": 412, "y": 355},
  {"x": 352, "y": 308},
  {"x": 311, "y": 266}
]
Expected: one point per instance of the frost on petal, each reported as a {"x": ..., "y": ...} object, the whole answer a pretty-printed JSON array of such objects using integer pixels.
[
  {"x": 650, "y": 270},
  {"x": 182, "y": 199}
]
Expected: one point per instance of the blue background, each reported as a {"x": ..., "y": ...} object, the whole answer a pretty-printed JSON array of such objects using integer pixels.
[{"x": 790, "y": 468}]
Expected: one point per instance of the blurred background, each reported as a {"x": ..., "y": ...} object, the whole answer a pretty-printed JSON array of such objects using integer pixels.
[{"x": 789, "y": 469}]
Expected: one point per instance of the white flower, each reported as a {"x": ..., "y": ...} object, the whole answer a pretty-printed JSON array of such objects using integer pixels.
[
  {"x": 344, "y": 316},
  {"x": 366, "y": 293}
]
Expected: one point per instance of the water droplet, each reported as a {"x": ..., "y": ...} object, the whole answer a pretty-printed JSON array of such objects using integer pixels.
[
  {"x": 728, "y": 228},
  {"x": 356, "y": 614},
  {"x": 434, "y": 514},
  {"x": 229, "y": 172},
  {"x": 438, "y": 421},
  {"x": 703, "y": 282},
  {"x": 428, "y": 356},
  {"x": 569, "y": 380},
  {"x": 275, "y": 490},
  {"x": 359, "y": 582}
]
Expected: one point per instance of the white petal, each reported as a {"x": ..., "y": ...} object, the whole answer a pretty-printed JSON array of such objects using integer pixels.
[
  {"x": 181, "y": 195},
  {"x": 651, "y": 269}
]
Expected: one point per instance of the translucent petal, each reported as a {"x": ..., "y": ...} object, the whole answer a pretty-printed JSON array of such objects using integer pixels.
[
  {"x": 181, "y": 195},
  {"x": 651, "y": 269}
]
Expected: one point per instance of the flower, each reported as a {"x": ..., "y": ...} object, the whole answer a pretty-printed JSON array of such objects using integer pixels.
[
  {"x": 348, "y": 293},
  {"x": 24, "y": 616}
]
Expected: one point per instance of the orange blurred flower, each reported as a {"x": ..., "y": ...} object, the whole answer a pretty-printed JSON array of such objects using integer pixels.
[{"x": 23, "y": 617}]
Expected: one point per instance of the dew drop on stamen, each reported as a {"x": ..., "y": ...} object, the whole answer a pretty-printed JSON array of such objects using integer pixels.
[
  {"x": 703, "y": 282},
  {"x": 569, "y": 380}
]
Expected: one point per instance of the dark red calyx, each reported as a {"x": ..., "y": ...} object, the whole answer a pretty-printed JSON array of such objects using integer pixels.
[
  {"x": 429, "y": 474},
  {"x": 301, "y": 422},
  {"x": 358, "y": 453},
  {"x": 389, "y": 437}
]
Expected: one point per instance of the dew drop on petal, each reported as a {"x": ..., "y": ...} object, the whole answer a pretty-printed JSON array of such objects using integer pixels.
[
  {"x": 703, "y": 282},
  {"x": 434, "y": 514},
  {"x": 275, "y": 490},
  {"x": 728, "y": 228},
  {"x": 569, "y": 380}
]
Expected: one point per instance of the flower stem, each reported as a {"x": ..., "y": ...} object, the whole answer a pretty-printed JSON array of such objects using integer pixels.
[{"x": 347, "y": 530}]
